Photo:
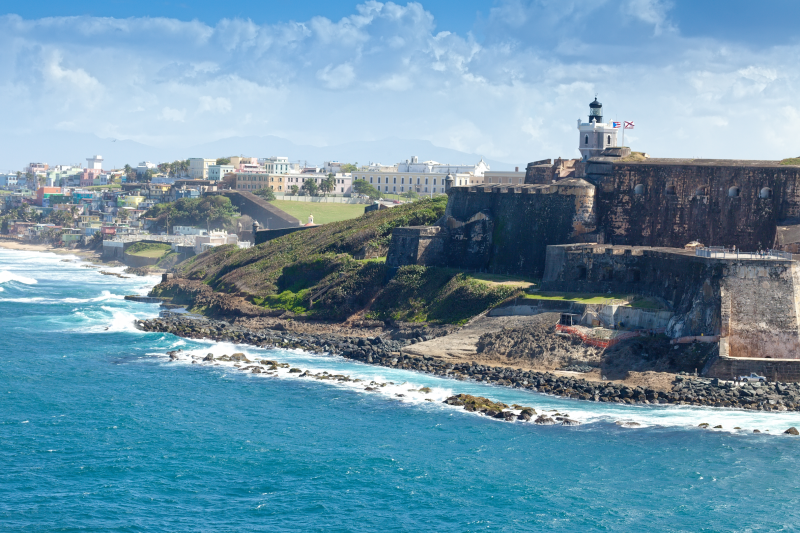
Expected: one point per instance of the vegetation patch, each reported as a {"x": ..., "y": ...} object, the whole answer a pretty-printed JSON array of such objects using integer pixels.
[
  {"x": 148, "y": 249},
  {"x": 790, "y": 161},
  {"x": 439, "y": 295},
  {"x": 324, "y": 212}
]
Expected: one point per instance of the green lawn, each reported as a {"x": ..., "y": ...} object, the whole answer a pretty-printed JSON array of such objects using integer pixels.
[
  {"x": 584, "y": 298},
  {"x": 149, "y": 249},
  {"x": 323, "y": 212}
]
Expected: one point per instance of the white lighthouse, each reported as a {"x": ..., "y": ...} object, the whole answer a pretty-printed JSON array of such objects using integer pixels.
[{"x": 595, "y": 135}]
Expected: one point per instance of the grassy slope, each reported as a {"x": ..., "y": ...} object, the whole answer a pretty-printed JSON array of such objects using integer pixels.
[
  {"x": 323, "y": 212},
  {"x": 314, "y": 272},
  {"x": 148, "y": 249}
]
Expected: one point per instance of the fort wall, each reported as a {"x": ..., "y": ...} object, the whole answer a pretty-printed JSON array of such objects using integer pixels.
[
  {"x": 671, "y": 202},
  {"x": 751, "y": 303}
]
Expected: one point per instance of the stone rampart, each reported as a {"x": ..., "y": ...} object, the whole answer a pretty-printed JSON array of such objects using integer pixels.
[
  {"x": 753, "y": 304},
  {"x": 269, "y": 216},
  {"x": 671, "y": 202},
  {"x": 506, "y": 228}
]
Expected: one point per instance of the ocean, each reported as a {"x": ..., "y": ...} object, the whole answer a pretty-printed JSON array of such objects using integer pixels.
[{"x": 100, "y": 431}]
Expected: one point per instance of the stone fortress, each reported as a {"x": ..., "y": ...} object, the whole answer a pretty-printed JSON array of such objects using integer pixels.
[{"x": 620, "y": 221}]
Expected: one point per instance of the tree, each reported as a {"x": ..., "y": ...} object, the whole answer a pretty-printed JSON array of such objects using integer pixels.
[
  {"x": 411, "y": 194},
  {"x": 295, "y": 189},
  {"x": 329, "y": 183},
  {"x": 348, "y": 167},
  {"x": 127, "y": 169},
  {"x": 224, "y": 161},
  {"x": 266, "y": 194},
  {"x": 214, "y": 210},
  {"x": 362, "y": 187},
  {"x": 310, "y": 186},
  {"x": 122, "y": 215},
  {"x": 61, "y": 218}
]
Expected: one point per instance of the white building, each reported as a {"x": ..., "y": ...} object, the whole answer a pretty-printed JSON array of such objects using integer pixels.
[
  {"x": 276, "y": 165},
  {"x": 198, "y": 167},
  {"x": 217, "y": 172},
  {"x": 215, "y": 238},
  {"x": 95, "y": 162},
  {"x": 144, "y": 166},
  {"x": 595, "y": 135},
  {"x": 421, "y": 177},
  {"x": 188, "y": 230}
]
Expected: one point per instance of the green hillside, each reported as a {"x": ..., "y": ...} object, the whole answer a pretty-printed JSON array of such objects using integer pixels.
[{"x": 322, "y": 272}]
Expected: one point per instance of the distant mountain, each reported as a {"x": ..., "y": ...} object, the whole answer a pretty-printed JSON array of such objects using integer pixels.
[
  {"x": 60, "y": 147},
  {"x": 386, "y": 151},
  {"x": 65, "y": 148}
]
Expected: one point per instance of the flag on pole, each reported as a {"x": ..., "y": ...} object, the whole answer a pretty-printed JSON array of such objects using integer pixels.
[
  {"x": 616, "y": 124},
  {"x": 628, "y": 125}
]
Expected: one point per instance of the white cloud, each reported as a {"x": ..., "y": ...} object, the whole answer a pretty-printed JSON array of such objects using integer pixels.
[
  {"x": 338, "y": 77},
  {"x": 385, "y": 70},
  {"x": 173, "y": 115},
  {"x": 218, "y": 104}
]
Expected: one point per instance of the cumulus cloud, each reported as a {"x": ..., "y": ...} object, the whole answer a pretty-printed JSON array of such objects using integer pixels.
[
  {"x": 218, "y": 104},
  {"x": 173, "y": 115},
  {"x": 510, "y": 89},
  {"x": 338, "y": 77}
]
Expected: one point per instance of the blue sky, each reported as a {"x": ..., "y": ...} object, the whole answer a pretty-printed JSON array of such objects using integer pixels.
[{"x": 503, "y": 78}]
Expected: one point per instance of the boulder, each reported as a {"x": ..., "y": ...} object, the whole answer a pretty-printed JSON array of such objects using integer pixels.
[
  {"x": 209, "y": 357},
  {"x": 570, "y": 422},
  {"x": 525, "y": 416},
  {"x": 239, "y": 357},
  {"x": 544, "y": 420},
  {"x": 792, "y": 431}
]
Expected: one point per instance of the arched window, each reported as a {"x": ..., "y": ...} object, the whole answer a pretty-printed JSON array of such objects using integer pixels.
[
  {"x": 638, "y": 190},
  {"x": 733, "y": 192},
  {"x": 586, "y": 140},
  {"x": 609, "y": 139},
  {"x": 765, "y": 194}
]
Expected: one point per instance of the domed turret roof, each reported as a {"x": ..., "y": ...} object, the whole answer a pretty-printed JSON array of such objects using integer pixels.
[{"x": 595, "y": 104}]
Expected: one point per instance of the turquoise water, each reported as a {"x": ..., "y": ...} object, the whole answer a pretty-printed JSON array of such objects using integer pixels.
[{"x": 99, "y": 431}]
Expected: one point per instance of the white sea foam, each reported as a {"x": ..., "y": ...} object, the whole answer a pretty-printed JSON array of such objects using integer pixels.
[
  {"x": 6, "y": 276},
  {"x": 408, "y": 384}
]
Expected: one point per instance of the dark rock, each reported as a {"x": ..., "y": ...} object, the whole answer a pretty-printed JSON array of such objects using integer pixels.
[
  {"x": 544, "y": 420},
  {"x": 792, "y": 431}
]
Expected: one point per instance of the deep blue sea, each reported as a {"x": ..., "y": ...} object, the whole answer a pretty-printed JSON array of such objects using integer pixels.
[{"x": 99, "y": 431}]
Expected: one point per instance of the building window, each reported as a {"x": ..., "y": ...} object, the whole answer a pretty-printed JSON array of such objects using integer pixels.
[
  {"x": 394, "y": 189},
  {"x": 379, "y": 179},
  {"x": 402, "y": 180},
  {"x": 426, "y": 182},
  {"x": 395, "y": 181},
  {"x": 609, "y": 139},
  {"x": 586, "y": 140},
  {"x": 370, "y": 179},
  {"x": 402, "y": 189},
  {"x": 434, "y": 182},
  {"x": 417, "y": 180},
  {"x": 426, "y": 189}
]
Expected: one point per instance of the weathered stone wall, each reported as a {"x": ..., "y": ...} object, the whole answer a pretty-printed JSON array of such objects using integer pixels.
[
  {"x": 785, "y": 370},
  {"x": 415, "y": 245},
  {"x": 760, "y": 300},
  {"x": 507, "y": 229},
  {"x": 753, "y": 304},
  {"x": 673, "y": 202}
]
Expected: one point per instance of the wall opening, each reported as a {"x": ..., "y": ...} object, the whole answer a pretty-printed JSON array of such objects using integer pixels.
[
  {"x": 733, "y": 192},
  {"x": 581, "y": 273},
  {"x": 609, "y": 139},
  {"x": 765, "y": 194},
  {"x": 586, "y": 140},
  {"x": 639, "y": 189},
  {"x": 634, "y": 276},
  {"x": 608, "y": 273},
  {"x": 670, "y": 190},
  {"x": 701, "y": 191}
]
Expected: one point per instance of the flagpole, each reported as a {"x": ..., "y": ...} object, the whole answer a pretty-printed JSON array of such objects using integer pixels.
[{"x": 623, "y": 133}]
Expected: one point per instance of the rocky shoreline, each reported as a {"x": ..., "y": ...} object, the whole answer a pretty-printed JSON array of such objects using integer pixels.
[{"x": 388, "y": 352}]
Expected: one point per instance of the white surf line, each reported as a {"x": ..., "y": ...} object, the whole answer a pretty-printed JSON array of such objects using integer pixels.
[{"x": 405, "y": 386}]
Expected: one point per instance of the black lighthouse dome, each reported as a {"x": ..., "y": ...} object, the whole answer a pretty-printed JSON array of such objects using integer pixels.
[{"x": 595, "y": 111}]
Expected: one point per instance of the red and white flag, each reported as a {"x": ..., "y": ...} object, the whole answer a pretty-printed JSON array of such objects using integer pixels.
[{"x": 628, "y": 125}]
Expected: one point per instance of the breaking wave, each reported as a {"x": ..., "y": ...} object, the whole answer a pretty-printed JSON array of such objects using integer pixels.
[{"x": 6, "y": 276}]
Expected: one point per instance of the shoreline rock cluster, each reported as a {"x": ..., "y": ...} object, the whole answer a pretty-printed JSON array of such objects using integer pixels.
[{"x": 388, "y": 352}]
